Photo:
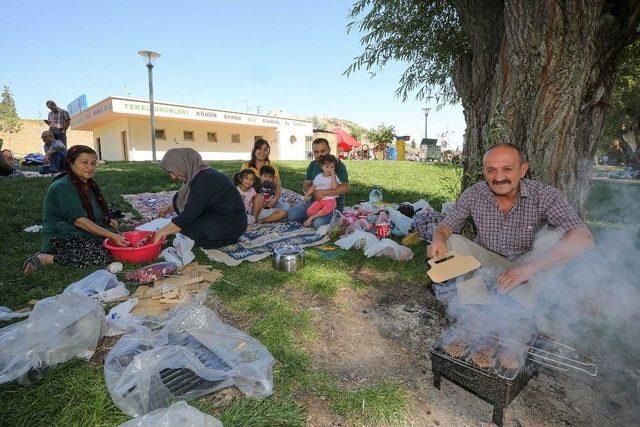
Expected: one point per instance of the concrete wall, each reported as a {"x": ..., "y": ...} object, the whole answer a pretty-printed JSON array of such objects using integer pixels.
[
  {"x": 28, "y": 139},
  {"x": 139, "y": 139}
]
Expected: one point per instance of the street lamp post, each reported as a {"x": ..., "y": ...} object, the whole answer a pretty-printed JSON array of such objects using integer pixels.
[
  {"x": 426, "y": 119},
  {"x": 150, "y": 58}
]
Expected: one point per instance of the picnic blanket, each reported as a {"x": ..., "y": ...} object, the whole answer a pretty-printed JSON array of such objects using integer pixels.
[
  {"x": 148, "y": 204},
  {"x": 259, "y": 242}
]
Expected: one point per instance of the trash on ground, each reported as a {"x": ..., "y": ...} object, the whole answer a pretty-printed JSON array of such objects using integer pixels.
[
  {"x": 193, "y": 354},
  {"x": 181, "y": 288},
  {"x": 58, "y": 329},
  {"x": 115, "y": 267},
  {"x": 181, "y": 251},
  {"x": 33, "y": 229},
  {"x": 120, "y": 320},
  {"x": 178, "y": 414},
  {"x": 101, "y": 285}
]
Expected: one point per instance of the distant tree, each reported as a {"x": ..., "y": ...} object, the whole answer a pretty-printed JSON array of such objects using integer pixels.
[
  {"x": 357, "y": 132},
  {"x": 320, "y": 123},
  {"x": 9, "y": 120},
  {"x": 622, "y": 127},
  {"x": 383, "y": 134},
  {"x": 538, "y": 74}
]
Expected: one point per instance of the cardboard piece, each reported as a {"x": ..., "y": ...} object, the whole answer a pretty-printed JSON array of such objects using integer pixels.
[
  {"x": 473, "y": 291},
  {"x": 450, "y": 266}
]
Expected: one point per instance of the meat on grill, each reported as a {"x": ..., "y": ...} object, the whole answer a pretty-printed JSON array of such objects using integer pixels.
[
  {"x": 509, "y": 359},
  {"x": 483, "y": 357},
  {"x": 456, "y": 349}
]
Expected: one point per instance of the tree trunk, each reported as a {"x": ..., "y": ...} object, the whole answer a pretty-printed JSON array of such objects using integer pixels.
[{"x": 540, "y": 76}]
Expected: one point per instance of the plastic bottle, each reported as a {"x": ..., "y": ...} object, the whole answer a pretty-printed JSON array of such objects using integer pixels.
[
  {"x": 383, "y": 225},
  {"x": 375, "y": 196}
]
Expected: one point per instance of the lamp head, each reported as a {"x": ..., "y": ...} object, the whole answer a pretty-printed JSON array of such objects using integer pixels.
[{"x": 149, "y": 56}]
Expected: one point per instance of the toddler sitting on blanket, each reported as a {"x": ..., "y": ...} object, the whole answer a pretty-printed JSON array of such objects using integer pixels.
[
  {"x": 327, "y": 180},
  {"x": 245, "y": 182}
]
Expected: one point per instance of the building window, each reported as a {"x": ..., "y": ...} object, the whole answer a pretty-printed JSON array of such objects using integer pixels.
[
  {"x": 257, "y": 137},
  {"x": 161, "y": 134},
  {"x": 308, "y": 142},
  {"x": 188, "y": 135},
  {"x": 235, "y": 138},
  {"x": 212, "y": 136}
]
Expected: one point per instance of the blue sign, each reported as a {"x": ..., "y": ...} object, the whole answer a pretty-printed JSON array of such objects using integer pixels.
[{"x": 77, "y": 105}]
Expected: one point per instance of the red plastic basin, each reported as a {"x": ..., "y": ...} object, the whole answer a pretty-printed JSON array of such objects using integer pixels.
[{"x": 131, "y": 254}]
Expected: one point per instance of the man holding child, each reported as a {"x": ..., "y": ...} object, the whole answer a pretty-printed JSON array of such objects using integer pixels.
[{"x": 298, "y": 213}]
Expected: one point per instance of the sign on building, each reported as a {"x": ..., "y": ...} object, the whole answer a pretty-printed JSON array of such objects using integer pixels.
[{"x": 77, "y": 105}]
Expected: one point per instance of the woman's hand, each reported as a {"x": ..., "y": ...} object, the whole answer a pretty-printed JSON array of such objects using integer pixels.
[
  {"x": 165, "y": 210},
  {"x": 120, "y": 240}
]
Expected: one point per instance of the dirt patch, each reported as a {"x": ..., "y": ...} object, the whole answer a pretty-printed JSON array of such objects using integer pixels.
[
  {"x": 386, "y": 332},
  {"x": 104, "y": 346}
]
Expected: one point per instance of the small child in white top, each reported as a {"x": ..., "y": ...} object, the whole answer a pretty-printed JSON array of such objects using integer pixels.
[{"x": 327, "y": 180}]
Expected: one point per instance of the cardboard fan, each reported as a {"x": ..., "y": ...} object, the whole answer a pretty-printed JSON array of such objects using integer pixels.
[{"x": 450, "y": 266}]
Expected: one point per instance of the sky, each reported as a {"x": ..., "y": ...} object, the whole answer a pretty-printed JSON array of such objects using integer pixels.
[{"x": 286, "y": 55}]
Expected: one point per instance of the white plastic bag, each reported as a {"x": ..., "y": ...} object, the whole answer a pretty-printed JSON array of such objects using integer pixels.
[
  {"x": 390, "y": 248},
  {"x": 7, "y": 314},
  {"x": 120, "y": 319},
  {"x": 58, "y": 329},
  {"x": 400, "y": 221},
  {"x": 181, "y": 251},
  {"x": 358, "y": 239},
  {"x": 192, "y": 355},
  {"x": 101, "y": 285},
  {"x": 421, "y": 204},
  {"x": 180, "y": 414}
]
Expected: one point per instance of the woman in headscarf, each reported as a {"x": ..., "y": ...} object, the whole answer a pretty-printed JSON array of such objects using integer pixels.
[
  {"x": 210, "y": 209},
  {"x": 76, "y": 217},
  {"x": 259, "y": 159}
]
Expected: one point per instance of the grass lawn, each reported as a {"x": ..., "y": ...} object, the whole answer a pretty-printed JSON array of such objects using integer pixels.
[{"x": 262, "y": 300}]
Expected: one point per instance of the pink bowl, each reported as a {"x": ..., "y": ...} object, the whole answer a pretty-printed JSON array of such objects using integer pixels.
[{"x": 131, "y": 254}]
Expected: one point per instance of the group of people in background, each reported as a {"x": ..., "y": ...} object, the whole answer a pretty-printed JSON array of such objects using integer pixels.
[
  {"x": 209, "y": 207},
  {"x": 54, "y": 144}
]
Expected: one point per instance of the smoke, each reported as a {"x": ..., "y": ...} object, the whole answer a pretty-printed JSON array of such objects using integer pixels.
[{"x": 591, "y": 304}]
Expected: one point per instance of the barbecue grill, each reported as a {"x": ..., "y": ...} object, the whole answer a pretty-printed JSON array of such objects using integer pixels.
[{"x": 495, "y": 383}]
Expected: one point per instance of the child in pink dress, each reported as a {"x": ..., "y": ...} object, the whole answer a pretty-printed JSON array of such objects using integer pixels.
[
  {"x": 327, "y": 180},
  {"x": 246, "y": 183}
]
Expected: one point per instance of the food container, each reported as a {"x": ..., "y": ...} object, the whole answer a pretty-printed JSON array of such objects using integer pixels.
[
  {"x": 288, "y": 258},
  {"x": 134, "y": 254}
]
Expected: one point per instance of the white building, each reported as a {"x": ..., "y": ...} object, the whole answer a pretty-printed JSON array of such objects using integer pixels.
[{"x": 121, "y": 131}]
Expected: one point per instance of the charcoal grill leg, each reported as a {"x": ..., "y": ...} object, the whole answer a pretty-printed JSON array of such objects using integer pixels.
[
  {"x": 436, "y": 381},
  {"x": 498, "y": 413}
]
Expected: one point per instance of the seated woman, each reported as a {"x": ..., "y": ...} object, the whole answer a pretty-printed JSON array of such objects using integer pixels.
[
  {"x": 73, "y": 209},
  {"x": 210, "y": 209},
  {"x": 260, "y": 158},
  {"x": 8, "y": 164}
]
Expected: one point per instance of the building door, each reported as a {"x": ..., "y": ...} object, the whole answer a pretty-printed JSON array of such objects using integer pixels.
[
  {"x": 125, "y": 148},
  {"x": 99, "y": 148}
]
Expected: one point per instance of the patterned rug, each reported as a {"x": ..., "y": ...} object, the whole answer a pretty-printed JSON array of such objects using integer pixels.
[
  {"x": 260, "y": 242},
  {"x": 255, "y": 244},
  {"x": 148, "y": 204}
]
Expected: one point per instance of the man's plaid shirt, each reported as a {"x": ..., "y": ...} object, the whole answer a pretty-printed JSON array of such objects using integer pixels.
[
  {"x": 512, "y": 235},
  {"x": 58, "y": 119}
]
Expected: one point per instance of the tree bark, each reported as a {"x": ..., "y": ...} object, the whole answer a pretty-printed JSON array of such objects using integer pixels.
[{"x": 539, "y": 76}]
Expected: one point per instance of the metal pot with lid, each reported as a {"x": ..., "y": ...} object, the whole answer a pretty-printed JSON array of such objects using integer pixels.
[{"x": 288, "y": 258}]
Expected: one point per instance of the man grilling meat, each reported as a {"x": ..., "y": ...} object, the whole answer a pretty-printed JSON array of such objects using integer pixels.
[{"x": 507, "y": 211}]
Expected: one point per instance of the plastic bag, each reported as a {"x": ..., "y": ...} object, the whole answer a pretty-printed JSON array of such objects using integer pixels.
[
  {"x": 152, "y": 272},
  {"x": 390, "y": 248},
  {"x": 421, "y": 205},
  {"x": 101, "y": 285},
  {"x": 120, "y": 319},
  {"x": 192, "y": 355},
  {"x": 58, "y": 329},
  {"x": 179, "y": 414},
  {"x": 180, "y": 252},
  {"x": 400, "y": 221},
  {"x": 358, "y": 239},
  {"x": 7, "y": 314}
]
